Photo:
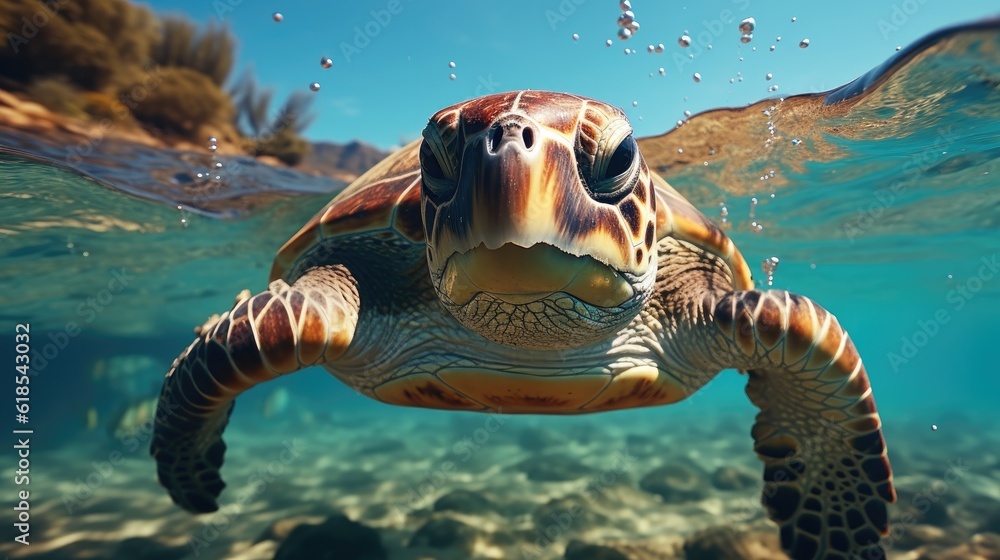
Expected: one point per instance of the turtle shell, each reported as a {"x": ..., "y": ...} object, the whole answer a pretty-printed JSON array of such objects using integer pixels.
[{"x": 386, "y": 196}]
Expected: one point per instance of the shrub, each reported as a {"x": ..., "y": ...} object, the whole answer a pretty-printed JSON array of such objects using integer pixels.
[
  {"x": 285, "y": 145},
  {"x": 57, "y": 95},
  {"x": 183, "y": 100},
  {"x": 209, "y": 52}
]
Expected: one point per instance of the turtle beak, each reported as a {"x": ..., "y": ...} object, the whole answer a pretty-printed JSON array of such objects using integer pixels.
[
  {"x": 508, "y": 189},
  {"x": 521, "y": 275}
]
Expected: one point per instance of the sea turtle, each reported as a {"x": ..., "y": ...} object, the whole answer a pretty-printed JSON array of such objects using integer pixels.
[{"x": 521, "y": 257}]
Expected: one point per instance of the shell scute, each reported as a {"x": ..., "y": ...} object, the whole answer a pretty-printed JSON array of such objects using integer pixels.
[{"x": 386, "y": 196}]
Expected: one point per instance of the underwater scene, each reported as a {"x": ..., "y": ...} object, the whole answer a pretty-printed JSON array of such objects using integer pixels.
[{"x": 571, "y": 387}]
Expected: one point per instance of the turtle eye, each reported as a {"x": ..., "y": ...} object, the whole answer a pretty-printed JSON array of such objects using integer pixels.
[
  {"x": 429, "y": 163},
  {"x": 438, "y": 185},
  {"x": 621, "y": 159},
  {"x": 613, "y": 172}
]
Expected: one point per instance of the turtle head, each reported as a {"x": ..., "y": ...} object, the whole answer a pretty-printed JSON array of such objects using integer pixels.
[{"x": 539, "y": 215}]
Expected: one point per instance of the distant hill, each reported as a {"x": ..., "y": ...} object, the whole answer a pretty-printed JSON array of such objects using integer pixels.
[{"x": 341, "y": 161}]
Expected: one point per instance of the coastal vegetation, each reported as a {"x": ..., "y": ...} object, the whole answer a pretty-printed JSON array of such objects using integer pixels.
[{"x": 115, "y": 61}]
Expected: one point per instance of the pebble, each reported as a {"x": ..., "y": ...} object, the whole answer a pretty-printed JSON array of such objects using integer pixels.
[
  {"x": 676, "y": 482},
  {"x": 337, "y": 537}
]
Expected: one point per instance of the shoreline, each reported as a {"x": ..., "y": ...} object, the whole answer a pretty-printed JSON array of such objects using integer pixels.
[{"x": 25, "y": 115}]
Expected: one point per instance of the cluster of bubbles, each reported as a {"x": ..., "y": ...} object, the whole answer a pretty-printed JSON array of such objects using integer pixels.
[
  {"x": 769, "y": 265},
  {"x": 452, "y": 76},
  {"x": 723, "y": 212},
  {"x": 770, "y": 125},
  {"x": 755, "y": 227},
  {"x": 326, "y": 63},
  {"x": 627, "y": 25}
]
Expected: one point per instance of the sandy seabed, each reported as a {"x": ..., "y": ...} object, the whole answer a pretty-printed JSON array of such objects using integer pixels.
[{"x": 472, "y": 486}]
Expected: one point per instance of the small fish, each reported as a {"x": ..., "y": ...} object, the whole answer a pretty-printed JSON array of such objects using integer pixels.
[
  {"x": 276, "y": 402},
  {"x": 136, "y": 416}
]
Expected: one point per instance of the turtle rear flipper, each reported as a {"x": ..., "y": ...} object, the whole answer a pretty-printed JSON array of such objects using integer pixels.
[
  {"x": 276, "y": 332},
  {"x": 827, "y": 479}
]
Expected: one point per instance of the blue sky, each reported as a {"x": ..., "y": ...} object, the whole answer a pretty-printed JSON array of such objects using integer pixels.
[{"x": 391, "y": 70}]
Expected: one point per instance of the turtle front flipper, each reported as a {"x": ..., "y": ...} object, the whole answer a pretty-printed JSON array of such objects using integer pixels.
[
  {"x": 276, "y": 332},
  {"x": 827, "y": 479}
]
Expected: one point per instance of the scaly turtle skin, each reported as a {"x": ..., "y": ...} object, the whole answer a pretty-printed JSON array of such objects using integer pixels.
[{"x": 522, "y": 258}]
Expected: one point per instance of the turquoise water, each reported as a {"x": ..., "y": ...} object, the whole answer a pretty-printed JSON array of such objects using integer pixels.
[{"x": 885, "y": 209}]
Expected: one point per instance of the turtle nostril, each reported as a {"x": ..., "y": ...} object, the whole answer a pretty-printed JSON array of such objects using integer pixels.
[
  {"x": 495, "y": 138},
  {"x": 529, "y": 137}
]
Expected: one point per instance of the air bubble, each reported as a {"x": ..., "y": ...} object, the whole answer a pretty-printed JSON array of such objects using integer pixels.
[
  {"x": 314, "y": 86},
  {"x": 213, "y": 147},
  {"x": 769, "y": 265},
  {"x": 687, "y": 113},
  {"x": 934, "y": 427},
  {"x": 326, "y": 62},
  {"x": 803, "y": 43},
  {"x": 748, "y": 25},
  {"x": 626, "y": 18},
  {"x": 452, "y": 77},
  {"x": 635, "y": 103},
  {"x": 731, "y": 80},
  {"x": 680, "y": 150},
  {"x": 213, "y": 140},
  {"x": 709, "y": 47},
  {"x": 796, "y": 141},
  {"x": 608, "y": 43},
  {"x": 625, "y": 5},
  {"x": 794, "y": 18},
  {"x": 576, "y": 36},
  {"x": 451, "y": 64},
  {"x": 662, "y": 71},
  {"x": 218, "y": 165},
  {"x": 746, "y": 38},
  {"x": 659, "y": 48},
  {"x": 697, "y": 77},
  {"x": 769, "y": 76},
  {"x": 684, "y": 41},
  {"x": 778, "y": 39},
  {"x": 899, "y": 47},
  {"x": 772, "y": 48},
  {"x": 276, "y": 16},
  {"x": 624, "y": 34}
]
